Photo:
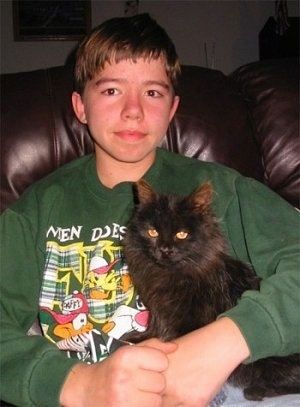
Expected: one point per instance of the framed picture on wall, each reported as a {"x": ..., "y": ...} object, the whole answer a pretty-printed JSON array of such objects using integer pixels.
[{"x": 65, "y": 20}]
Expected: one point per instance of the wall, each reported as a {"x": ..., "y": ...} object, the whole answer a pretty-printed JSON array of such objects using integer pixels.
[{"x": 230, "y": 27}]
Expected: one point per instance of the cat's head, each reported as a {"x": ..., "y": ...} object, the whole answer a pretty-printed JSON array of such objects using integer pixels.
[{"x": 168, "y": 229}]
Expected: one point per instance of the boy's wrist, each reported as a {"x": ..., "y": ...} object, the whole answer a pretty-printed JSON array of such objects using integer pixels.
[
  {"x": 234, "y": 340},
  {"x": 70, "y": 388}
]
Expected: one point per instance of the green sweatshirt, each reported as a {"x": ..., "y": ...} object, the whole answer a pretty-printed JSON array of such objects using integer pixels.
[{"x": 61, "y": 259}]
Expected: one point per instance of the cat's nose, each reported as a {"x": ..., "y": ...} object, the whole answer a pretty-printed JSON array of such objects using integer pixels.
[{"x": 166, "y": 251}]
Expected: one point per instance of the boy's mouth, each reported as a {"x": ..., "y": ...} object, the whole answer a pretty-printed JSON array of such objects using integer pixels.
[{"x": 130, "y": 135}]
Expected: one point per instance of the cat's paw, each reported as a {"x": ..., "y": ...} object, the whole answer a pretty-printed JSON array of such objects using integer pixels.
[{"x": 258, "y": 393}]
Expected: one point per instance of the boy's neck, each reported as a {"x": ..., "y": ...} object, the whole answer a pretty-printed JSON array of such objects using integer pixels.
[{"x": 111, "y": 172}]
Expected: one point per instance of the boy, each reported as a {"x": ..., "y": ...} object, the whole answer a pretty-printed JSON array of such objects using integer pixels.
[{"x": 63, "y": 247}]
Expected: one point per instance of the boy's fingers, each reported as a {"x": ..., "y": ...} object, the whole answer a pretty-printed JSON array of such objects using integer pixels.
[
  {"x": 165, "y": 347},
  {"x": 152, "y": 382}
]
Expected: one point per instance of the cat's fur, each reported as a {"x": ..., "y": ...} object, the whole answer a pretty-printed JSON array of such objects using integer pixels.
[{"x": 187, "y": 281}]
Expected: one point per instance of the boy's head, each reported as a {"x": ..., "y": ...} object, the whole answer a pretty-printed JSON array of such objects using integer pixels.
[{"x": 124, "y": 38}]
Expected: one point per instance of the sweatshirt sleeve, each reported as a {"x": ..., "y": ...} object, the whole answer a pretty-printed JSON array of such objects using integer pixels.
[
  {"x": 32, "y": 369},
  {"x": 269, "y": 318}
]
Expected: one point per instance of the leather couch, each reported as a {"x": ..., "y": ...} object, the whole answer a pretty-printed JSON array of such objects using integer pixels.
[{"x": 248, "y": 120}]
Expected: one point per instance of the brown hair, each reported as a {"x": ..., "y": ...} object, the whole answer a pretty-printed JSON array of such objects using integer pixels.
[{"x": 124, "y": 38}]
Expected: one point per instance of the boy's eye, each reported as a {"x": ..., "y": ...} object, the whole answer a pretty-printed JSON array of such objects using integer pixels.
[
  {"x": 181, "y": 235},
  {"x": 153, "y": 233},
  {"x": 153, "y": 93},
  {"x": 111, "y": 91}
]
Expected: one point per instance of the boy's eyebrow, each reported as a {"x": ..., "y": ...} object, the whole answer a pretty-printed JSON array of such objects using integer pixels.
[
  {"x": 163, "y": 84},
  {"x": 150, "y": 82}
]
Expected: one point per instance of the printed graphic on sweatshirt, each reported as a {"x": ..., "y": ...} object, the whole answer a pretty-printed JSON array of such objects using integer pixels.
[{"x": 87, "y": 300}]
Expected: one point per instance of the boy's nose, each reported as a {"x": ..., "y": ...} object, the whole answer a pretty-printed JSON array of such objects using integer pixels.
[{"x": 132, "y": 109}]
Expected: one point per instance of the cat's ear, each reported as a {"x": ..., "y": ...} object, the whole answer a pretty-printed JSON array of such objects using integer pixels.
[
  {"x": 144, "y": 191},
  {"x": 202, "y": 197}
]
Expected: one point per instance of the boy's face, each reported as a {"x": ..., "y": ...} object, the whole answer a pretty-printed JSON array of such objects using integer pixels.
[{"x": 127, "y": 107}]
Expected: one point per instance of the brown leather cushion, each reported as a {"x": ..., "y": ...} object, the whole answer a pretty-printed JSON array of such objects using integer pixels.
[{"x": 271, "y": 89}]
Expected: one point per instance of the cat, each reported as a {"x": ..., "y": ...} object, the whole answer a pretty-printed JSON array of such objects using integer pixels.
[{"x": 177, "y": 259}]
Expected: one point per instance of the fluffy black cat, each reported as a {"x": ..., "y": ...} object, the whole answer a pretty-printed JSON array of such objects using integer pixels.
[{"x": 177, "y": 259}]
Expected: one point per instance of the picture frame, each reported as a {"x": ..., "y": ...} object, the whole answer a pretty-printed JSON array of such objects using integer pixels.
[{"x": 63, "y": 20}]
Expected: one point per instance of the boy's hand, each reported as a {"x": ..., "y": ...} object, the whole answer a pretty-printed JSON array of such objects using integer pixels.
[
  {"x": 132, "y": 376},
  {"x": 202, "y": 363}
]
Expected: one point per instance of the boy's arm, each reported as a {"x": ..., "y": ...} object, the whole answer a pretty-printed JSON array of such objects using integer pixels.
[
  {"x": 269, "y": 227},
  {"x": 33, "y": 368},
  {"x": 202, "y": 363}
]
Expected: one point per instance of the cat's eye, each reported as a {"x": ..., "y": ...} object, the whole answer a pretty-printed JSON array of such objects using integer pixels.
[
  {"x": 152, "y": 232},
  {"x": 181, "y": 235}
]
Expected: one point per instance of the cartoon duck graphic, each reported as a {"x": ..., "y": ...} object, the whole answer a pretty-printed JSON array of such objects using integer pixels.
[
  {"x": 72, "y": 320},
  {"x": 102, "y": 281}
]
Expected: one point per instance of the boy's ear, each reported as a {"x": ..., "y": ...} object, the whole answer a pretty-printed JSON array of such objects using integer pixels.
[
  {"x": 174, "y": 106},
  {"x": 78, "y": 107}
]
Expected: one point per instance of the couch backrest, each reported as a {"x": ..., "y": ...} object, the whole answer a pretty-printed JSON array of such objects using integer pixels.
[
  {"x": 248, "y": 121},
  {"x": 271, "y": 91}
]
